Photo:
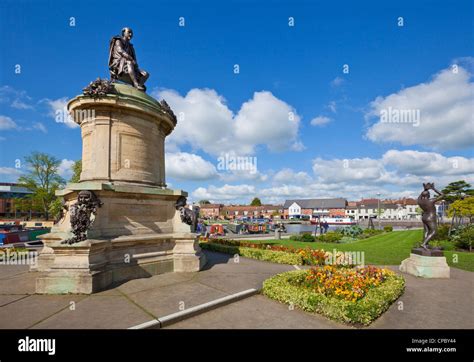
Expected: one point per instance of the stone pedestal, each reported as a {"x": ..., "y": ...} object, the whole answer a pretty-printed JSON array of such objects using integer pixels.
[
  {"x": 137, "y": 232},
  {"x": 123, "y": 136},
  {"x": 425, "y": 266},
  {"x": 94, "y": 265}
]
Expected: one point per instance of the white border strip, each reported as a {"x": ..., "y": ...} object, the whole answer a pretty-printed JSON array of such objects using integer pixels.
[{"x": 178, "y": 316}]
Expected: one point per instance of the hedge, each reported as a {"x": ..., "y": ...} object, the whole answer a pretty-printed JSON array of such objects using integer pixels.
[
  {"x": 279, "y": 257},
  {"x": 282, "y": 288},
  {"x": 330, "y": 237}
]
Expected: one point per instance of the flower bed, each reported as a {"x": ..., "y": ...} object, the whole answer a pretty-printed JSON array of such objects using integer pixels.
[
  {"x": 274, "y": 256},
  {"x": 267, "y": 252},
  {"x": 350, "y": 284},
  {"x": 348, "y": 295}
]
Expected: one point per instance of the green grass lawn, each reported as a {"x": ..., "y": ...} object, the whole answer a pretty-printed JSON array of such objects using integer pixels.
[{"x": 386, "y": 249}]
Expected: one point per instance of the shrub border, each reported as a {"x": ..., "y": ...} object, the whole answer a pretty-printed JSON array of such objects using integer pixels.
[
  {"x": 362, "y": 312},
  {"x": 274, "y": 256}
]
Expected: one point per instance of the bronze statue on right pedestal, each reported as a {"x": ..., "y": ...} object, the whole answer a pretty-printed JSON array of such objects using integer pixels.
[{"x": 428, "y": 217}]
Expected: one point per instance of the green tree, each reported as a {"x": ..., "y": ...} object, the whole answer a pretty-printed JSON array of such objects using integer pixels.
[
  {"x": 76, "y": 171},
  {"x": 204, "y": 202},
  {"x": 42, "y": 179},
  {"x": 457, "y": 190},
  {"x": 56, "y": 205},
  {"x": 26, "y": 205},
  {"x": 463, "y": 208},
  {"x": 256, "y": 202}
]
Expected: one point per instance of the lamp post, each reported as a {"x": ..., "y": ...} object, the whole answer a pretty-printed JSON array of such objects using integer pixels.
[{"x": 378, "y": 208}]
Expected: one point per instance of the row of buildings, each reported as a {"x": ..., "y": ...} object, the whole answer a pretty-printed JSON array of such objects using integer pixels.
[
  {"x": 10, "y": 195},
  {"x": 402, "y": 209}
]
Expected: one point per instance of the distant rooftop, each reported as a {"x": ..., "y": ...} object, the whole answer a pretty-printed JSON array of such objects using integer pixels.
[
  {"x": 11, "y": 190},
  {"x": 337, "y": 203}
]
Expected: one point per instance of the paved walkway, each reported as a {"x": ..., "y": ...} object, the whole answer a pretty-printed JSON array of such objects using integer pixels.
[
  {"x": 131, "y": 303},
  {"x": 426, "y": 303}
]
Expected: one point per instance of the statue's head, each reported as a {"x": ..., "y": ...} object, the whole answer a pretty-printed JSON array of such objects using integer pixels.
[
  {"x": 84, "y": 197},
  {"x": 127, "y": 33},
  {"x": 425, "y": 194},
  {"x": 181, "y": 202},
  {"x": 428, "y": 186}
]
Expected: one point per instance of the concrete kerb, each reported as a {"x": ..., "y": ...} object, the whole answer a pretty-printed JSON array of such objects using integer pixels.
[{"x": 193, "y": 311}]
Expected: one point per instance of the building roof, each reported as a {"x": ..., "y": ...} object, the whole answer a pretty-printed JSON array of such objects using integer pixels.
[
  {"x": 251, "y": 208},
  {"x": 405, "y": 201},
  {"x": 210, "y": 206},
  {"x": 11, "y": 190},
  {"x": 337, "y": 203}
]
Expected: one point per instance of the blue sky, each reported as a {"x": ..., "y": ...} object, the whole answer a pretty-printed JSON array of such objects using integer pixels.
[{"x": 346, "y": 152}]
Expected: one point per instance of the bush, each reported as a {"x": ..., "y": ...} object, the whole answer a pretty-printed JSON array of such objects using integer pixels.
[
  {"x": 445, "y": 245},
  {"x": 287, "y": 288},
  {"x": 367, "y": 233},
  {"x": 442, "y": 233},
  {"x": 307, "y": 238},
  {"x": 295, "y": 237},
  {"x": 312, "y": 256},
  {"x": 330, "y": 237},
  {"x": 463, "y": 237},
  {"x": 279, "y": 257},
  {"x": 347, "y": 239},
  {"x": 388, "y": 228},
  {"x": 351, "y": 231}
]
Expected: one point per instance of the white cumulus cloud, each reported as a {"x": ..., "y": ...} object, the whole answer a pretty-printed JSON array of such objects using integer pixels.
[
  {"x": 267, "y": 120},
  {"x": 445, "y": 105},
  {"x": 58, "y": 111},
  {"x": 320, "y": 121},
  {"x": 65, "y": 168},
  {"x": 287, "y": 175},
  {"x": 427, "y": 163},
  {"x": 224, "y": 193},
  {"x": 187, "y": 166},
  {"x": 7, "y": 123},
  {"x": 205, "y": 122}
]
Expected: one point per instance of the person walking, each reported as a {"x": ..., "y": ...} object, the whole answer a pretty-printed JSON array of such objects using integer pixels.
[{"x": 326, "y": 226}]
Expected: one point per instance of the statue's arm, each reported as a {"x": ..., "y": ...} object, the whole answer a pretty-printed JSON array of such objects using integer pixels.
[
  {"x": 439, "y": 193},
  {"x": 123, "y": 53}
]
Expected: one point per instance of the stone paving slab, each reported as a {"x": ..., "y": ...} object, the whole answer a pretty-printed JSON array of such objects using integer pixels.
[
  {"x": 257, "y": 312},
  {"x": 11, "y": 270},
  {"x": 8, "y": 299},
  {"x": 109, "y": 312},
  {"x": 27, "y": 312},
  {"x": 20, "y": 282},
  {"x": 432, "y": 303},
  {"x": 173, "y": 298}
]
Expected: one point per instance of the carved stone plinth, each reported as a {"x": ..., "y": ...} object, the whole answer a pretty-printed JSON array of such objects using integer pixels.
[
  {"x": 123, "y": 136},
  {"x": 426, "y": 266},
  {"x": 136, "y": 230},
  {"x": 94, "y": 265}
]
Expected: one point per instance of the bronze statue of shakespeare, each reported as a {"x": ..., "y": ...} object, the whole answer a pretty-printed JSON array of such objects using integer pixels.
[
  {"x": 428, "y": 216},
  {"x": 123, "y": 61}
]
